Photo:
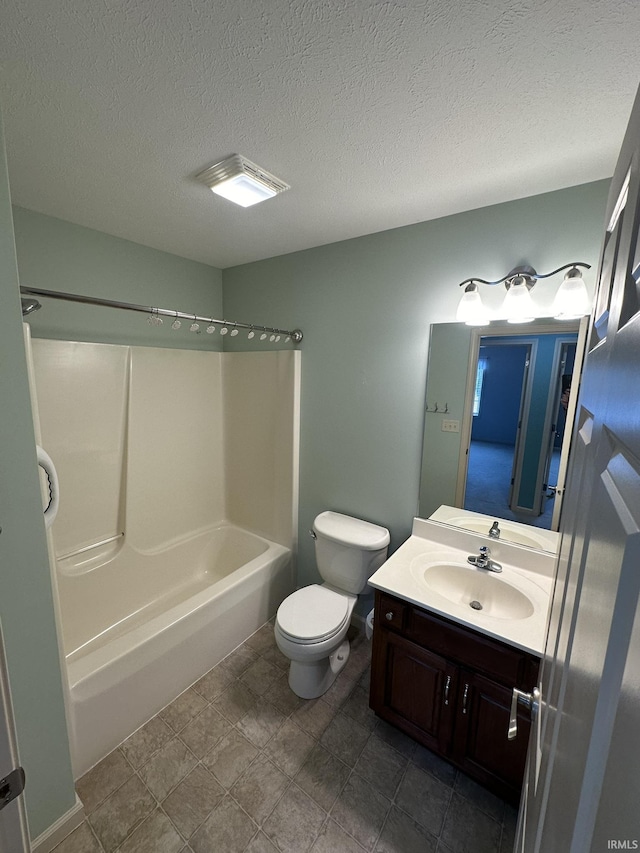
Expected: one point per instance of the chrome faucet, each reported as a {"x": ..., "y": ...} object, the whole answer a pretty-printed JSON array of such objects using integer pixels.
[
  {"x": 494, "y": 533},
  {"x": 483, "y": 560}
]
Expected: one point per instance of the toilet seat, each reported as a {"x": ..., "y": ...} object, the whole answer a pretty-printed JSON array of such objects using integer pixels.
[{"x": 313, "y": 614}]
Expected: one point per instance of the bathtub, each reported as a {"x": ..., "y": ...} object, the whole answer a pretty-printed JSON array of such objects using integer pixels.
[{"x": 139, "y": 627}]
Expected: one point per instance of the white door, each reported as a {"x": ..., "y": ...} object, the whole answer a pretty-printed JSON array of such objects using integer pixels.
[
  {"x": 546, "y": 490},
  {"x": 559, "y": 485},
  {"x": 13, "y": 826},
  {"x": 583, "y": 785},
  {"x": 521, "y": 433}
]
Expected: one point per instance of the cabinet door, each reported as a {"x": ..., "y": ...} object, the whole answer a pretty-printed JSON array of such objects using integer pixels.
[
  {"x": 481, "y": 747},
  {"x": 414, "y": 689}
]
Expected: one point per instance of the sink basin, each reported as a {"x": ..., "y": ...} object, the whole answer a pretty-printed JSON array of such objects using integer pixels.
[
  {"x": 430, "y": 570},
  {"x": 469, "y": 587}
]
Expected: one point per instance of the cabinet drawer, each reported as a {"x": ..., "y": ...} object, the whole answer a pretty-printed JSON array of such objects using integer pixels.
[
  {"x": 512, "y": 667},
  {"x": 391, "y": 612}
]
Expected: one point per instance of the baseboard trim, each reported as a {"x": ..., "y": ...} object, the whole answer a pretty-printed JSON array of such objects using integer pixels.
[{"x": 59, "y": 830}]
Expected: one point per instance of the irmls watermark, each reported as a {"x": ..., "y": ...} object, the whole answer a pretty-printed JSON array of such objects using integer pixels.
[{"x": 623, "y": 844}]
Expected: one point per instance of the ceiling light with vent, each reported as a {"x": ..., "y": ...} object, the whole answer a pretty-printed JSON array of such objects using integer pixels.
[{"x": 241, "y": 181}]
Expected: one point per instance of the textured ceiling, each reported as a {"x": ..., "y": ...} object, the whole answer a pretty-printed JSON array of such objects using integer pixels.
[{"x": 379, "y": 114}]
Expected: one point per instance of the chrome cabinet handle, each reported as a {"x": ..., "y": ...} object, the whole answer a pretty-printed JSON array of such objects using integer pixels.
[
  {"x": 389, "y": 615},
  {"x": 464, "y": 698},
  {"x": 529, "y": 700},
  {"x": 447, "y": 685}
]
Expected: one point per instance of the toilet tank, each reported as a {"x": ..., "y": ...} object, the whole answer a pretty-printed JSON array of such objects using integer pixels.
[{"x": 348, "y": 550}]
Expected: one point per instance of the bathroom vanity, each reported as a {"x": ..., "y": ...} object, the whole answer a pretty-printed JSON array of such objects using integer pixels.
[
  {"x": 450, "y": 688},
  {"x": 444, "y": 672}
]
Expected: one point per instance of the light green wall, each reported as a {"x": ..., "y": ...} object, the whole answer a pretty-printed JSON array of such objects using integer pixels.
[
  {"x": 26, "y": 605},
  {"x": 449, "y": 351},
  {"x": 57, "y": 255},
  {"x": 365, "y": 307}
]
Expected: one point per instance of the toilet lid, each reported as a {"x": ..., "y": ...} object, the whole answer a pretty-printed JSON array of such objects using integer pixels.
[{"x": 313, "y": 613}]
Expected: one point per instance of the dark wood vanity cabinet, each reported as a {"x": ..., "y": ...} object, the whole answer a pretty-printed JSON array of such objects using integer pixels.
[{"x": 450, "y": 689}]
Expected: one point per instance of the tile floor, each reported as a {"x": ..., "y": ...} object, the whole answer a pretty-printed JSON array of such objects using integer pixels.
[{"x": 239, "y": 764}]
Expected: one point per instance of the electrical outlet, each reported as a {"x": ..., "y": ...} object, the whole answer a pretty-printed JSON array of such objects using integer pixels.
[{"x": 450, "y": 426}]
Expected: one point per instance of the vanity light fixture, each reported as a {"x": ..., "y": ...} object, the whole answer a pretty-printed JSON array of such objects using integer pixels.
[
  {"x": 241, "y": 181},
  {"x": 471, "y": 309},
  {"x": 571, "y": 301}
]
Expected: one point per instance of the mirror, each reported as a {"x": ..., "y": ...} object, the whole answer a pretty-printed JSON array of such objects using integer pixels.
[{"x": 495, "y": 441}]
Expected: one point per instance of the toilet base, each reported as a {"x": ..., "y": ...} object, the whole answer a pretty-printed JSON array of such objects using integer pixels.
[{"x": 313, "y": 679}]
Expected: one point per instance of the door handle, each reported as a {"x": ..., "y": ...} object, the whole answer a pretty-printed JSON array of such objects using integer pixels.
[
  {"x": 447, "y": 685},
  {"x": 529, "y": 700},
  {"x": 11, "y": 786},
  {"x": 465, "y": 696},
  {"x": 555, "y": 492}
]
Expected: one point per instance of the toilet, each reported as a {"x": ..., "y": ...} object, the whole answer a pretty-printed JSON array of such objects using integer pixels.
[{"x": 312, "y": 623}]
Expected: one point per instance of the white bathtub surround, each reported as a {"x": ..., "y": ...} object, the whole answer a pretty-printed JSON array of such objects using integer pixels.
[
  {"x": 162, "y": 566},
  {"x": 261, "y": 442}
]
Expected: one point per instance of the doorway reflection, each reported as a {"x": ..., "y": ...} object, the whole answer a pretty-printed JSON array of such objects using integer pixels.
[
  {"x": 518, "y": 425},
  {"x": 489, "y": 483}
]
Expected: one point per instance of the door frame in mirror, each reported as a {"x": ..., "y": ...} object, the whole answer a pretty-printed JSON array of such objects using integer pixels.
[{"x": 542, "y": 326}]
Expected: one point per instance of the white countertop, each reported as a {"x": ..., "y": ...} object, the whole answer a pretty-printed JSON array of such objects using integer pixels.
[{"x": 527, "y": 571}]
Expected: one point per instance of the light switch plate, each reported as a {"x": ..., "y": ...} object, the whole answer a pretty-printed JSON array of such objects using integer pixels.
[{"x": 450, "y": 426}]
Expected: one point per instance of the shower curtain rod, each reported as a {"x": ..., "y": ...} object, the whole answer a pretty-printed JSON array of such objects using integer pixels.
[{"x": 295, "y": 335}]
